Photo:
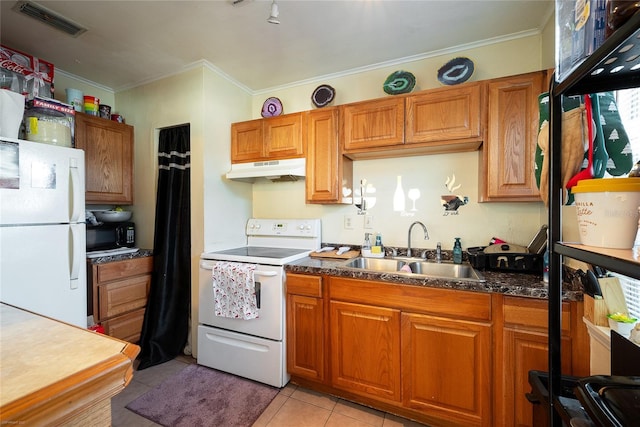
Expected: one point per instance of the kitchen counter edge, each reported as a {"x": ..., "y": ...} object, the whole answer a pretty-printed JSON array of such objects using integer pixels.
[
  {"x": 515, "y": 284},
  {"x": 142, "y": 253}
]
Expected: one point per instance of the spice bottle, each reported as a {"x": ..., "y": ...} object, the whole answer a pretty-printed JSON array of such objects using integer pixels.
[{"x": 457, "y": 251}]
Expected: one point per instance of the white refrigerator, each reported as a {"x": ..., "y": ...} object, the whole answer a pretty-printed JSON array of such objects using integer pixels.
[{"x": 42, "y": 230}]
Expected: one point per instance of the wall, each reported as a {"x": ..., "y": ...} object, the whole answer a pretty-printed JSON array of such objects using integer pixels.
[
  {"x": 209, "y": 104},
  {"x": 220, "y": 208},
  {"x": 64, "y": 81},
  {"x": 476, "y": 222}
]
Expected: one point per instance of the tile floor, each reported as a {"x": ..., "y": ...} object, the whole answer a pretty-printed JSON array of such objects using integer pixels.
[{"x": 293, "y": 406}]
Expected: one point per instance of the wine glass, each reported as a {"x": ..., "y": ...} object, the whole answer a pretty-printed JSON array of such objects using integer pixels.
[{"x": 413, "y": 194}]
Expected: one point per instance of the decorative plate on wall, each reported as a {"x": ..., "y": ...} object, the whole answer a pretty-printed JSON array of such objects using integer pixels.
[
  {"x": 399, "y": 82},
  {"x": 456, "y": 71},
  {"x": 271, "y": 107},
  {"x": 323, "y": 95}
]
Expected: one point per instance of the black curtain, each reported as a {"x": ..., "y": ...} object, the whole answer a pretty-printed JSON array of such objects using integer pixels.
[{"x": 166, "y": 320}]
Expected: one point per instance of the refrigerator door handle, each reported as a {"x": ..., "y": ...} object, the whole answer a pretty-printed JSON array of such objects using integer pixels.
[
  {"x": 77, "y": 192},
  {"x": 76, "y": 255}
]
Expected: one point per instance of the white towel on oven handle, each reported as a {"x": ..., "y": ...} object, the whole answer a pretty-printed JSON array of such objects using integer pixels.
[{"x": 234, "y": 290}]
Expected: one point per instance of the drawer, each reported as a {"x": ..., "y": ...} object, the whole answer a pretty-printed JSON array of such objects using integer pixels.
[
  {"x": 123, "y": 296},
  {"x": 127, "y": 327},
  {"x": 120, "y": 269},
  {"x": 532, "y": 313},
  {"x": 416, "y": 299},
  {"x": 302, "y": 284}
]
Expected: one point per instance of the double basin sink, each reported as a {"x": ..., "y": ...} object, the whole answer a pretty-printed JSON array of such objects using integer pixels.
[{"x": 416, "y": 267}]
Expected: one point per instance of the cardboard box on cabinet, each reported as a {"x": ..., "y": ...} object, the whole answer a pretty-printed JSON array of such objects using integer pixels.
[{"x": 25, "y": 74}]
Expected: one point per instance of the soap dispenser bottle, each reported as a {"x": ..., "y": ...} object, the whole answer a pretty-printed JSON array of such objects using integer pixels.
[
  {"x": 457, "y": 252},
  {"x": 367, "y": 242}
]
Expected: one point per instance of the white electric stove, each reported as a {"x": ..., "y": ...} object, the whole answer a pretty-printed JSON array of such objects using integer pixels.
[{"x": 256, "y": 348}]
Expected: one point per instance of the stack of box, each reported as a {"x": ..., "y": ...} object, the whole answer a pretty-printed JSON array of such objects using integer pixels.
[{"x": 25, "y": 74}]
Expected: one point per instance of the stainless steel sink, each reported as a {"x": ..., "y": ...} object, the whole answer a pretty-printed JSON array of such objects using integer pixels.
[
  {"x": 375, "y": 264},
  {"x": 418, "y": 267}
]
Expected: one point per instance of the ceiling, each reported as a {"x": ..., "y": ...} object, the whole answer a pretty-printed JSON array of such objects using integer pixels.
[{"x": 132, "y": 42}]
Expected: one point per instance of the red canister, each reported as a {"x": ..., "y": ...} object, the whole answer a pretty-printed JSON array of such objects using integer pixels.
[{"x": 117, "y": 118}]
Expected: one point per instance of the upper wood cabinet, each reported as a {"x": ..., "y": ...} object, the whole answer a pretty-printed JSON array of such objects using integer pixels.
[
  {"x": 370, "y": 124},
  {"x": 262, "y": 139},
  {"x": 507, "y": 161},
  {"x": 246, "y": 141},
  {"x": 327, "y": 170},
  {"x": 108, "y": 148},
  {"x": 444, "y": 120},
  {"x": 446, "y": 115}
]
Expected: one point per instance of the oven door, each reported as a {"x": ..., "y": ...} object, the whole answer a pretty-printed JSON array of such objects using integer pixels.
[{"x": 270, "y": 322}]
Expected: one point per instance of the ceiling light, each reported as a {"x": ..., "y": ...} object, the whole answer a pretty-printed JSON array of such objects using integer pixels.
[
  {"x": 49, "y": 17},
  {"x": 273, "y": 19}
]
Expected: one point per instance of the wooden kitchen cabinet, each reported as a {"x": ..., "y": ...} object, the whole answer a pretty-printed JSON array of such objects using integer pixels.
[
  {"x": 246, "y": 141},
  {"x": 444, "y": 359},
  {"x": 328, "y": 172},
  {"x": 450, "y": 117},
  {"x": 372, "y": 124},
  {"x": 277, "y": 137},
  {"x": 508, "y": 154},
  {"x": 439, "y": 356},
  {"x": 446, "y": 368},
  {"x": 523, "y": 346},
  {"x": 365, "y": 344},
  {"x": 108, "y": 148},
  {"x": 119, "y": 292},
  {"x": 305, "y": 327}
]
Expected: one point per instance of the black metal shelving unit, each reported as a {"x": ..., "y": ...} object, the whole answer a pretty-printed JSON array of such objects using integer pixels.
[{"x": 615, "y": 65}]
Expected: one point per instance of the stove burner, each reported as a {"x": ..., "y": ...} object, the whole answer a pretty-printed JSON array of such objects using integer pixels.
[{"x": 261, "y": 252}]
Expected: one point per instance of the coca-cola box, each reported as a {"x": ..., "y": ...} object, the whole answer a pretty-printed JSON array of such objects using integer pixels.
[{"x": 25, "y": 74}]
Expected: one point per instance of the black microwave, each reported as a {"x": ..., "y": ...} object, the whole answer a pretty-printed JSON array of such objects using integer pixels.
[{"x": 110, "y": 236}]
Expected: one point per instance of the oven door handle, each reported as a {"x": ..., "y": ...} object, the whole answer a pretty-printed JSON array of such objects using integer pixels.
[
  {"x": 265, "y": 273},
  {"x": 207, "y": 265}
]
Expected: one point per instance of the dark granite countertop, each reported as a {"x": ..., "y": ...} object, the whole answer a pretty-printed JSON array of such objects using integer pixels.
[
  {"x": 111, "y": 258},
  {"x": 516, "y": 284}
]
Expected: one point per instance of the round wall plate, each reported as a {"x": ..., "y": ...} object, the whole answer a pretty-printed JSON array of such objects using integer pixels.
[
  {"x": 399, "y": 82},
  {"x": 323, "y": 95},
  {"x": 456, "y": 71},
  {"x": 271, "y": 107}
]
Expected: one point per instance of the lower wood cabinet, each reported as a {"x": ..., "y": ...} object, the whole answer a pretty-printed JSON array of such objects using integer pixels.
[
  {"x": 305, "y": 327},
  {"x": 118, "y": 295},
  {"x": 446, "y": 368},
  {"x": 523, "y": 346},
  {"x": 439, "y": 356},
  {"x": 365, "y": 350}
]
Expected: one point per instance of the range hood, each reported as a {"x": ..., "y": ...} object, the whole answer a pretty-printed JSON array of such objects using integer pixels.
[{"x": 273, "y": 170}]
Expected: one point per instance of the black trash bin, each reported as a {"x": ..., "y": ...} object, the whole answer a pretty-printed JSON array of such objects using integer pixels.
[{"x": 570, "y": 409}]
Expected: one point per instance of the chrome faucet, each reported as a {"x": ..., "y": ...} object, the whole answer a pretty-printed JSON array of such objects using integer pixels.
[
  {"x": 438, "y": 253},
  {"x": 426, "y": 236}
]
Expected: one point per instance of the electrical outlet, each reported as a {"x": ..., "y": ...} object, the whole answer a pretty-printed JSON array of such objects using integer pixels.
[
  {"x": 348, "y": 222},
  {"x": 368, "y": 221}
]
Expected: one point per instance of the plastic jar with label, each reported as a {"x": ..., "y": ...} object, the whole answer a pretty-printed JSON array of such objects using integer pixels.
[{"x": 46, "y": 126}]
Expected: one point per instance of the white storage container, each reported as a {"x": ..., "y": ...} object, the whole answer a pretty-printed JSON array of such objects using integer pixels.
[{"x": 607, "y": 211}]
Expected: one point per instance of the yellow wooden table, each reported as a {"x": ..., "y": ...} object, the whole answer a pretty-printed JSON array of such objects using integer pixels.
[{"x": 53, "y": 373}]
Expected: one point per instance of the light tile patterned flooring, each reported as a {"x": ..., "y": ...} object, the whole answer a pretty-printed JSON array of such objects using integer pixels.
[{"x": 293, "y": 406}]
